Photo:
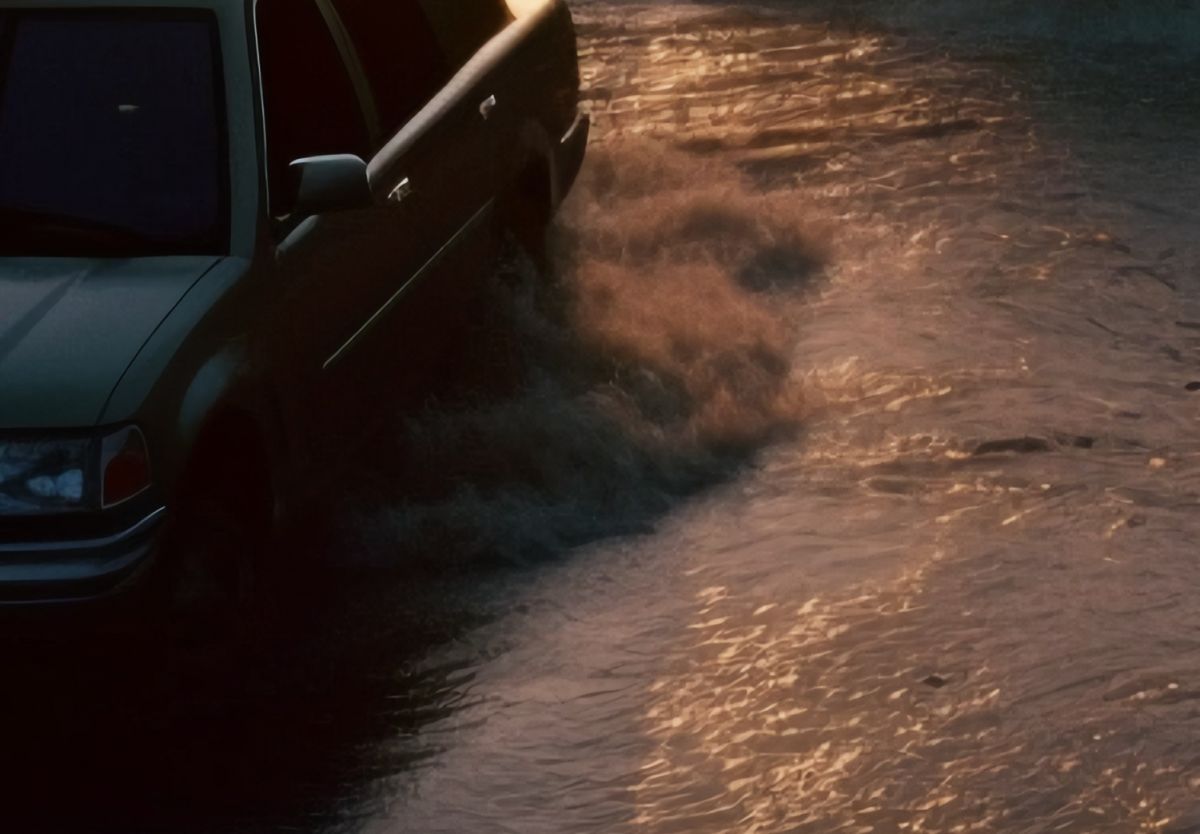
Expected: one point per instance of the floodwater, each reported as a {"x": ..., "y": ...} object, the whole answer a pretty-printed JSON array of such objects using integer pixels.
[{"x": 845, "y": 477}]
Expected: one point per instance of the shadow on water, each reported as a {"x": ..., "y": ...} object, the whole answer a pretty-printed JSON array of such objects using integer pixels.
[
  {"x": 654, "y": 363},
  {"x": 116, "y": 731}
]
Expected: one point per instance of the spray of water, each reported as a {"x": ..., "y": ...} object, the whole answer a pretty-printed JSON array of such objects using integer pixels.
[{"x": 653, "y": 359}]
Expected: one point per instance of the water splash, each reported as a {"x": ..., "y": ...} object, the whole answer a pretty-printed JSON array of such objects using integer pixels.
[{"x": 653, "y": 359}]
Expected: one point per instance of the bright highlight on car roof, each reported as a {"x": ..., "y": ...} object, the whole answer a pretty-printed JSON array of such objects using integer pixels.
[{"x": 520, "y": 8}]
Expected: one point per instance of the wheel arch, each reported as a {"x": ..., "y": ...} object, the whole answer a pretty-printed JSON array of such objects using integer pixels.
[
  {"x": 535, "y": 165},
  {"x": 527, "y": 198},
  {"x": 224, "y": 411}
]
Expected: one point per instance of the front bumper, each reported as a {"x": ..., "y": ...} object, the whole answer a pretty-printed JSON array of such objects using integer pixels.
[{"x": 75, "y": 571}]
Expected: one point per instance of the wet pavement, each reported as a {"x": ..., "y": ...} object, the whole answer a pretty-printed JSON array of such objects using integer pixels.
[{"x": 844, "y": 478}]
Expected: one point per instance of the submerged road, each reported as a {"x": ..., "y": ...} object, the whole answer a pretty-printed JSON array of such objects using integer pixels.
[{"x": 847, "y": 478}]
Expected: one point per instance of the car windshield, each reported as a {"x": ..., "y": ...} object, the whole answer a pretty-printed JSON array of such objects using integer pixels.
[{"x": 112, "y": 134}]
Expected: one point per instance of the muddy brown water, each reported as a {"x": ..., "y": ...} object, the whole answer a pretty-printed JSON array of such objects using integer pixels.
[{"x": 848, "y": 479}]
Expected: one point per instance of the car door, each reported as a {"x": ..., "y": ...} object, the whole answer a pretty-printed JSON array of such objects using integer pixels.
[
  {"x": 334, "y": 271},
  {"x": 437, "y": 166},
  {"x": 375, "y": 298}
]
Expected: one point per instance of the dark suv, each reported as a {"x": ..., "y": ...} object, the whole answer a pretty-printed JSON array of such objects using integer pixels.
[{"x": 226, "y": 229}]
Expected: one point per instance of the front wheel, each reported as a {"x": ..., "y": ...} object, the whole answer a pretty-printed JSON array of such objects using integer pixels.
[{"x": 217, "y": 548}]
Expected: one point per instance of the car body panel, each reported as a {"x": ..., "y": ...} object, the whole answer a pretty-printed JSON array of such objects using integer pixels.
[
  {"x": 335, "y": 309},
  {"x": 69, "y": 328},
  {"x": 85, "y": 569}
]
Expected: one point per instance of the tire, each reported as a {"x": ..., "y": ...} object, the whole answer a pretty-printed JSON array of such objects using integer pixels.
[
  {"x": 525, "y": 216},
  {"x": 216, "y": 551}
]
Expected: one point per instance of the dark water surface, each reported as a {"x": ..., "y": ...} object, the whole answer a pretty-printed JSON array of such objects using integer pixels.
[{"x": 848, "y": 481}]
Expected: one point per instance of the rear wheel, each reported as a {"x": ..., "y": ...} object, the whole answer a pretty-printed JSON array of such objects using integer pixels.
[{"x": 524, "y": 216}]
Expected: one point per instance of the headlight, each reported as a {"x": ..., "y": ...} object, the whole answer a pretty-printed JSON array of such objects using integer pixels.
[
  {"x": 41, "y": 476},
  {"x": 44, "y": 476}
]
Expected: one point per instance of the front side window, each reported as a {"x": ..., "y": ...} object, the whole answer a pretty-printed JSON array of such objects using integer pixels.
[
  {"x": 463, "y": 26},
  {"x": 399, "y": 53},
  {"x": 112, "y": 134},
  {"x": 311, "y": 105}
]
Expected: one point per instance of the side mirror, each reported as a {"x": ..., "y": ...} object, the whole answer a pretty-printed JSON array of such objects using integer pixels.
[{"x": 331, "y": 183}]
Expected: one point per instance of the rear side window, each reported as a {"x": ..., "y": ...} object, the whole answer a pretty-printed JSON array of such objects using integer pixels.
[
  {"x": 311, "y": 105},
  {"x": 463, "y": 26},
  {"x": 399, "y": 53}
]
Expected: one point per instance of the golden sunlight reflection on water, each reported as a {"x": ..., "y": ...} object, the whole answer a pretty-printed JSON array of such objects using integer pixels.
[
  {"x": 957, "y": 597},
  {"x": 923, "y": 701}
]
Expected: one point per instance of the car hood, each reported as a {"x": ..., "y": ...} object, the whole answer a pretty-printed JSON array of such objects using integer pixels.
[{"x": 70, "y": 327}]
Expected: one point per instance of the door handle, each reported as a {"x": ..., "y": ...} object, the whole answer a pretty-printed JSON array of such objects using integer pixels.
[
  {"x": 401, "y": 192},
  {"x": 486, "y": 107}
]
